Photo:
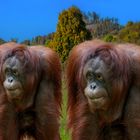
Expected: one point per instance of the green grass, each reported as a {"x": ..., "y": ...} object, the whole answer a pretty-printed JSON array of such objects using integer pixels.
[{"x": 63, "y": 122}]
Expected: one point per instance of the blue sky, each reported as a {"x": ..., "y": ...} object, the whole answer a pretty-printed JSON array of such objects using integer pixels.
[{"x": 25, "y": 19}]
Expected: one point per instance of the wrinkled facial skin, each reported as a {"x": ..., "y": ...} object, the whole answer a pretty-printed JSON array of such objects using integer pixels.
[
  {"x": 13, "y": 78},
  {"x": 96, "y": 77}
]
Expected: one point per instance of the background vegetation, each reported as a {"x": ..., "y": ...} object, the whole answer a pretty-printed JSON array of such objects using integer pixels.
[
  {"x": 75, "y": 26},
  {"x": 71, "y": 30}
]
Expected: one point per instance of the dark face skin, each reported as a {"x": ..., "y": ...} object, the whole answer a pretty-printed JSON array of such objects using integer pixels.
[
  {"x": 13, "y": 82},
  {"x": 96, "y": 75}
]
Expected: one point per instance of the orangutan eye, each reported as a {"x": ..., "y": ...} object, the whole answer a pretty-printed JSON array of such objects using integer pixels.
[
  {"x": 15, "y": 72},
  {"x": 99, "y": 77},
  {"x": 89, "y": 75}
]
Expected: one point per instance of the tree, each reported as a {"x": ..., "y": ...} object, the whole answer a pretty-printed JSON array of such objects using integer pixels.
[
  {"x": 110, "y": 38},
  {"x": 130, "y": 33},
  {"x": 26, "y": 42},
  {"x": 91, "y": 18},
  {"x": 38, "y": 40},
  {"x": 71, "y": 30},
  {"x": 49, "y": 38},
  {"x": 2, "y": 41},
  {"x": 100, "y": 27}
]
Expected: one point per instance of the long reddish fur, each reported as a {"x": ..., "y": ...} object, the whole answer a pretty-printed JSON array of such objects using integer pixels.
[
  {"x": 33, "y": 57},
  {"x": 84, "y": 124}
]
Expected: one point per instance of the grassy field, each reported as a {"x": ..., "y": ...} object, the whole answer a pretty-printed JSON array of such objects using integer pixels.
[{"x": 63, "y": 129}]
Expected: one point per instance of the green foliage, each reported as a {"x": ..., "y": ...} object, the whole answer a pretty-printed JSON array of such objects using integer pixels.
[
  {"x": 110, "y": 38},
  {"x": 39, "y": 40},
  {"x": 2, "y": 41},
  {"x": 71, "y": 30},
  {"x": 130, "y": 33}
]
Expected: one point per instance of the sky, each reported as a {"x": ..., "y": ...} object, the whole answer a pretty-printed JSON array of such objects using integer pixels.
[{"x": 25, "y": 19}]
